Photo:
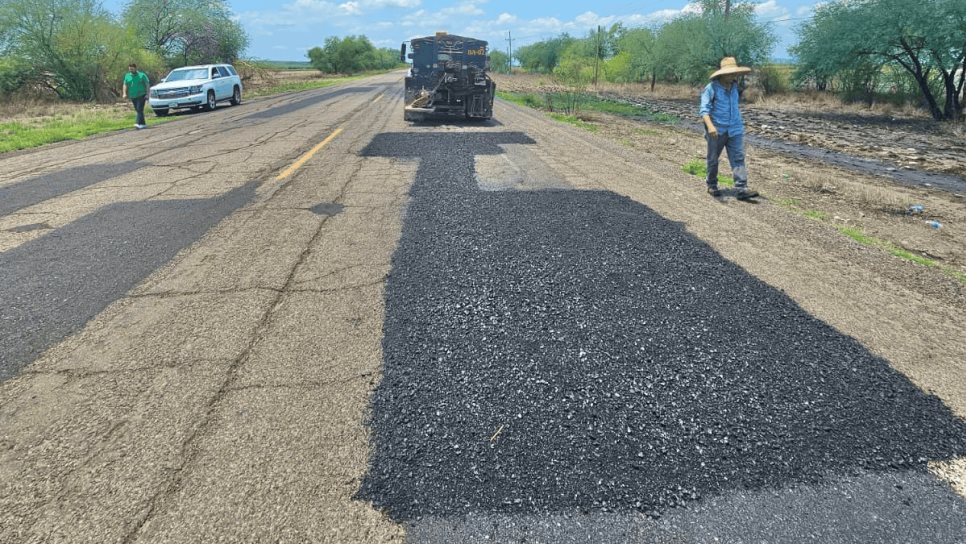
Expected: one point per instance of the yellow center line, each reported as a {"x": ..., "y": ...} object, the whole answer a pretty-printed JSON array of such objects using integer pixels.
[
  {"x": 308, "y": 155},
  {"x": 378, "y": 98}
]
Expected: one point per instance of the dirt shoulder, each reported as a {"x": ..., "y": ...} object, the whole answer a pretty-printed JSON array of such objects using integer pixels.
[{"x": 905, "y": 140}]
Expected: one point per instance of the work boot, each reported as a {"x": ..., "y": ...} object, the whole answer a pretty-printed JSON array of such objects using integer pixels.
[
  {"x": 714, "y": 191},
  {"x": 744, "y": 193}
]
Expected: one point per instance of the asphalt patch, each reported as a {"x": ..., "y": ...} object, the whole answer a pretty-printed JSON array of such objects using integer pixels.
[
  {"x": 24, "y": 194},
  {"x": 297, "y": 105},
  {"x": 51, "y": 286},
  {"x": 574, "y": 351},
  {"x": 327, "y": 208}
]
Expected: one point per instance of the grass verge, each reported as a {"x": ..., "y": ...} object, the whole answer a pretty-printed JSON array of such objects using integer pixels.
[
  {"x": 47, "y": 130},
  {"x": 573, "y": 120},
  {"x": 896, "y": 251},
  {"x": 700, "y": 169},
  {"x": 584, "y": 102}
]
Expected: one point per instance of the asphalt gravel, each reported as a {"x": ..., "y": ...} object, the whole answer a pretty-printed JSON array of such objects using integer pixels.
[
  {"x": 35, "y": 190},
  {"x": 51, "y": 286},
  {"x": 573, "y": 351}
]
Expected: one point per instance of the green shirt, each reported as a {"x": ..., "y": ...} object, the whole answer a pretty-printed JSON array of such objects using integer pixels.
[{"x": 137, "y": 84}]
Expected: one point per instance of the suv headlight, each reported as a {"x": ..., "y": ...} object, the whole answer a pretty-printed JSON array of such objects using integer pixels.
[
  {"x": 154, "y": 93},
  {"x": 194, "y": 89}
]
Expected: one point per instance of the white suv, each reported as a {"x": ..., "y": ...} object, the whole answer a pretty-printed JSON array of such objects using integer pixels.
[{"x": 196, "y": 87}]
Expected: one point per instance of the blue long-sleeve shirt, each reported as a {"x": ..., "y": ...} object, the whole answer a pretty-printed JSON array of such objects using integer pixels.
[{"x": 723, "y": 109}]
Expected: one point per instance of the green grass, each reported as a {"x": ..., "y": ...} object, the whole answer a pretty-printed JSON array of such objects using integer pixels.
[
  {"x": 815, "y": 214},
  {"x": 909, "y": 256},
  {"x": 585, "y": 102},
  {"x": 27, "y": 134},
  {"x": 896, "y": 251},
  {"x": 954, "y": 274},
  {"x": 860, "y": 237},
  {"x": 573, "y": 120},
  {"x": 699, "y": 168}
]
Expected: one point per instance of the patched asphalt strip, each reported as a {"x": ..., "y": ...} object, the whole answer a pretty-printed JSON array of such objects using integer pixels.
[
  {"x": 50, "y": 287},
  {"x": 26, "y": 193},
  {"x": 573, "y": 351}
]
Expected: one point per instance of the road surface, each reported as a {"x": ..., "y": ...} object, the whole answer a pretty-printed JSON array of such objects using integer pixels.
[{"x": 304, "y": 320}]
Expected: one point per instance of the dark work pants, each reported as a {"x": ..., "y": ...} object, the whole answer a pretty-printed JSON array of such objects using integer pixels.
[
  {"x": 736, "y": 157},
  {"x": 139, "y": 108}
]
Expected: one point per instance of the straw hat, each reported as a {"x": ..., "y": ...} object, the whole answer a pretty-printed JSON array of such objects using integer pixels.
[{"x": 730, "y": 66}]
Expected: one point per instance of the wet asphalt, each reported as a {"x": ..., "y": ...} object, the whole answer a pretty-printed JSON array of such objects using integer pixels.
[
  {"x": 569, "y": 353},
  {"x": 56, "y": 283}
]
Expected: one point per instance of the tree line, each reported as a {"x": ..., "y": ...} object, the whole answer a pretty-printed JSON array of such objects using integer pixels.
[
  {"x": 352, "y": 54},
  {"x": 79, "y": 50},
  {"x": 862, "y": 49},
  {"x": 682, "y": 50}
]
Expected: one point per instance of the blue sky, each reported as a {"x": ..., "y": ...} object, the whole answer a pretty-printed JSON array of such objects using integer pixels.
[{"x": 286, "y": 29}]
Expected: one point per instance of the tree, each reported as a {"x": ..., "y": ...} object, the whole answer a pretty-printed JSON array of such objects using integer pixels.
[
  {"x": 350, "y": 55},
  {"x": 543, "y": 56},
  {"x": 635, "y": 56},
  {"x": 187, "y": 31},
  {"x": 926, "y": 39},
  {"x": 73, "y": 47},
  {"x": 499, "y": 61}
]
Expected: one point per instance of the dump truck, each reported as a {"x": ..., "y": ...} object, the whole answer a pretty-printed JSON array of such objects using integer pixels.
[{"x": 448, "y": 78}]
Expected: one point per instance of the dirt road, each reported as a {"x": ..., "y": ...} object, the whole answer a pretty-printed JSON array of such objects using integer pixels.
[{"x": 302, "y": 319}]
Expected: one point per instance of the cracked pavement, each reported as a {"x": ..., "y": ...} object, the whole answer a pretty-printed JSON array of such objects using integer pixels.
[{"x": 196, "y": 351}]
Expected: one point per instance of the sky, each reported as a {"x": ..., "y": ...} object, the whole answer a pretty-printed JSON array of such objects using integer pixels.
[{"x": 287, "y": 29}]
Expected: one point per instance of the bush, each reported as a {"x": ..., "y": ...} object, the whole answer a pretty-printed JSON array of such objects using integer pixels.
[
  {"x": 14, "y": 75},
  {"x": 773, "y": 79}
]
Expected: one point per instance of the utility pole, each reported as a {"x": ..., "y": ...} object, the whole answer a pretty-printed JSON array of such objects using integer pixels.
[
  {"x": 597, "y": 58},
  {"x": 509, "y": 52}
]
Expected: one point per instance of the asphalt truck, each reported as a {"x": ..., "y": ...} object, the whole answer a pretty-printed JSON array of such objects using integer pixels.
[{"x": 448, "y": 78}]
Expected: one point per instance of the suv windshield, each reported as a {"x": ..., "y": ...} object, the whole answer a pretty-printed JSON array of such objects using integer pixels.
[{"x": 181, "y": 75}]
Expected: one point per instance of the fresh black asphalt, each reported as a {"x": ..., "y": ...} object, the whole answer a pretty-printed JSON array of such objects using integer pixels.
[
  {"x": 51, "y": 286},
  {"x": 574, "y": 352},
  {"x": 26, "y": 193}
]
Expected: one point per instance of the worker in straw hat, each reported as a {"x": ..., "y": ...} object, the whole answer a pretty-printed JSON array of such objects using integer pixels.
[{"x": 724, "y": 128}]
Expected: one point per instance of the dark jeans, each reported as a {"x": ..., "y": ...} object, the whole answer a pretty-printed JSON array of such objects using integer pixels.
[
  {"x": 139, "y": 108},
  {"x": 736, "y": 157}
]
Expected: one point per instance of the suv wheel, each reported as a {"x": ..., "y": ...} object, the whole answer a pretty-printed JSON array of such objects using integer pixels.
[
  {"x": 236, "y": 97},
  {"x": 161, "y": 112},
  {"x": 211, "y": 101}
]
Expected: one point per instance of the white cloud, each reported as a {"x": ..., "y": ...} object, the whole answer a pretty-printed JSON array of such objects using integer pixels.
[
  {"x": 772, "y": 11},
  {"x": 351, "y": 8}
]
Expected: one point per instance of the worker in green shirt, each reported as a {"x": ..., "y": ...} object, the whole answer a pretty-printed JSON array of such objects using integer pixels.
[{"x": 136, "y": 88}]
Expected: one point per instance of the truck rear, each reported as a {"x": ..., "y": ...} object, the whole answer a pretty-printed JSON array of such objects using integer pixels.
[{"x": 448, "y": 78}]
